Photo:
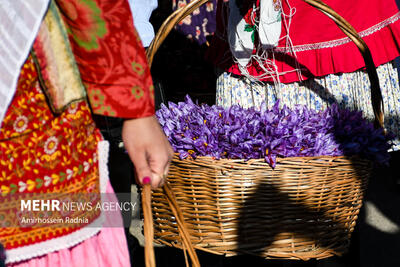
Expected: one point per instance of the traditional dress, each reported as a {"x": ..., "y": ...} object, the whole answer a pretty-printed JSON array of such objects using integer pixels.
[
  {"x": 314, "y": 63},
  {"x": 49, "y": 144}
]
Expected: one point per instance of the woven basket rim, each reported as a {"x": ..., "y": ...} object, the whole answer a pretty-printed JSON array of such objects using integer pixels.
[{"x": 278, "y": 159}]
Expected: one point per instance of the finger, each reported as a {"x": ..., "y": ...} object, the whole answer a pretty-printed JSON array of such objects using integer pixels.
[
  {"x": 166, "y": 170},
  {"x": 159, "y": 165},
  {"x": 142, "y": 167},
  {"x": 166, "y": 167},
  {"x": 163, "y": 180},
  {"x": 157, "y": 181},
  {"x": 157, "y": 169},
  {"x": 170, "y": 154}
]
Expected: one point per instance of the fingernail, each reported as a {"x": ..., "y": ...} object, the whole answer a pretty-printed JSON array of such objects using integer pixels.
[{"x": 146, "y": 180}]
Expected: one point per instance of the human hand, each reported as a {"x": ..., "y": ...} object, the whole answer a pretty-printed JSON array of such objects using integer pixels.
[{"x": 148, "y": 149}]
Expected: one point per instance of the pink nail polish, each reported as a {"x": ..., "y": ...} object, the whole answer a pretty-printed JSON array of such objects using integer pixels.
[{"x": 146, "y": 180}]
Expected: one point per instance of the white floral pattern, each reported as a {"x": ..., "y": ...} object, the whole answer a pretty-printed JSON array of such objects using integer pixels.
[
  {"x": 21, "y": 123},
  {"x": 51, "y": 144},
  {"x": 350, "y": 90}
]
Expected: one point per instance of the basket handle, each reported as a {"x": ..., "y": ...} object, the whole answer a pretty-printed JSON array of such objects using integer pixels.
[
  {"x": 149, "y": 227},
  {"x": 183, "y": 231}
]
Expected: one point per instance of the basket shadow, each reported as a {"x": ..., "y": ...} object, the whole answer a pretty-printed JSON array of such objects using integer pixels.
[
  {"x": 294, "y": 219},
  {"x": 299, "y": 224},
  {"x": 291, "y": 228}
]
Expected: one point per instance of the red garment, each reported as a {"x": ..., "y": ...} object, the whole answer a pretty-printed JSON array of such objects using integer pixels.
[
  {"x": 50, "y": 156},
  {"x": 41, "y": 152},
  {"x": 321, "y": 47},
  {"x": 110, "y": 57}
]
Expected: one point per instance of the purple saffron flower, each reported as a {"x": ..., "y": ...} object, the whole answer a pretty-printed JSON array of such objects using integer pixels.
[{"x": 201, "y": 130}]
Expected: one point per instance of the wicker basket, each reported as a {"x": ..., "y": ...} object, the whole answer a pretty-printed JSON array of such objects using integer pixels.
[{"x": 304, "y": 208}]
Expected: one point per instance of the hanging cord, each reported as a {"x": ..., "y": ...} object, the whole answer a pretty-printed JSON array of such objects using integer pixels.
[{"x": 265, "y": 58}]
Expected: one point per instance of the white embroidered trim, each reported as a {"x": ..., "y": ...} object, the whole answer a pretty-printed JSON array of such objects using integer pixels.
[
  {"x": 338, "y": 42},
  {"x": 70, "y": 240},
  {"x": 103, "y": 149}
]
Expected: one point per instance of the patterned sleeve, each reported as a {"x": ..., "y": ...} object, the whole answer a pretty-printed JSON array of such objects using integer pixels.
[{"x": 110, "y": 57}]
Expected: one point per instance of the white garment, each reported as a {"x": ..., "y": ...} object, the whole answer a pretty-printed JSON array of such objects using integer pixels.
[
  {"x": 20, "y": 21},
  {"x": 269, "y": 28},
  {"x": 241, "y": 35},
  {"x": 141, "y": 12}
]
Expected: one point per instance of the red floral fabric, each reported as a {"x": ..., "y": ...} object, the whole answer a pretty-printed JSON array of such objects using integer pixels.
[
  {"x": 110, "y": 57},
  {"x": 44, "y": 154}
]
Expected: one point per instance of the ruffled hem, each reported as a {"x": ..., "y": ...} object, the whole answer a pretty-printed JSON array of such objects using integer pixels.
[{"x": 321, "y": 59}]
